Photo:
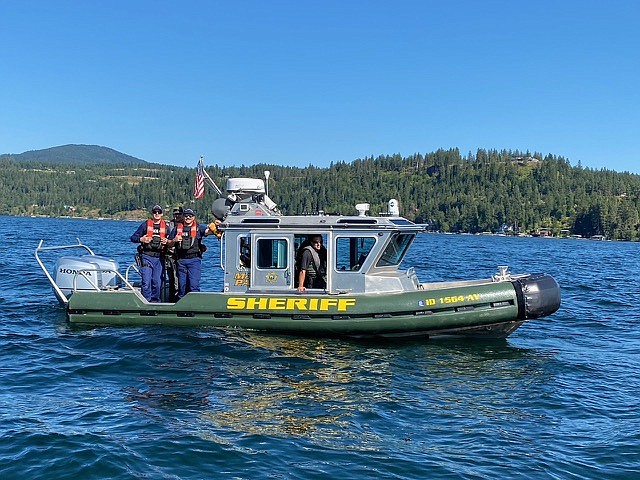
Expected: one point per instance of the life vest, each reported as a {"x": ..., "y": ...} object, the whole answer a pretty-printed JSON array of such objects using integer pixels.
[
  {"x": 153, "y": 230},
  {"x": 189, "y": 244},
  {"x": 316, "y": 276},
  {"x": 157, "y": 231},
  {"x": 314, "y": 255},
  {"x": 192, "y": 233}
]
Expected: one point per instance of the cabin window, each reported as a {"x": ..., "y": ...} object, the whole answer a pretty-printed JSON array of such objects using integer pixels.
[
  {"x": 395, "y": 250},
  {"x": 351, "y": 252},
  {"x": 272, "y": 253},
  {"x": 244, "y": 249}
]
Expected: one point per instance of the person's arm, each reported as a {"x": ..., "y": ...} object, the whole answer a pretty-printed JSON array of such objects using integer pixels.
[
  {"x": 171, "y": 238},
  {"x": 212, "y": 229},
  {"x": 304, "y": 264},
  {"x": 301, "y": 277},
  {"x": 140, "y": 235}
]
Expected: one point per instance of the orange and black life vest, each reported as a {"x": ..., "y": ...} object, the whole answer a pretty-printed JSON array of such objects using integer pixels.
[
  {"x": 192, "y": 233},
  {"x": 190, "y": 245},
  {"x": 157, "y": 231}
]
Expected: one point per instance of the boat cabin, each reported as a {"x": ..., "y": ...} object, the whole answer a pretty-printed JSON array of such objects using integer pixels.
[{"x": 261, "y": 248}]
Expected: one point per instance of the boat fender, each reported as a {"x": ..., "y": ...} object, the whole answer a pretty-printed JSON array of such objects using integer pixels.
[{"x": 538, "y": 295}]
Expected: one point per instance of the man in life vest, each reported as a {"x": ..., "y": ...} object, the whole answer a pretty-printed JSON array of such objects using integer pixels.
[
  {"x": 187, "y": 239},
  {"x": 313, "y": 264},
  {"x": 152, "y": 237}
]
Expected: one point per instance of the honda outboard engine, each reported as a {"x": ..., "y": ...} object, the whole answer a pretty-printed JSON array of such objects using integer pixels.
[{"x": 99, "y": 272}]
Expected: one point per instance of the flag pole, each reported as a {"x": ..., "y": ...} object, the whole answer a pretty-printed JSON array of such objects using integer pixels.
[{"x": 210, "y": 180}]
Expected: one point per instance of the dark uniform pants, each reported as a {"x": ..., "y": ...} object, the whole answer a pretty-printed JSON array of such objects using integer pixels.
[
  {"x": 152, "y": 273},
  {"x": 189, "y": 271}
]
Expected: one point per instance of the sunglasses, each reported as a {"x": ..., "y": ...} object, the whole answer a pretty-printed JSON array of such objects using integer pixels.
[
  {"x": 188, "y": 215},
  {"x": 157, "y": 211}
]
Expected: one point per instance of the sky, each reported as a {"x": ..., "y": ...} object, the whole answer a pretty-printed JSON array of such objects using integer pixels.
[{"x": 303, "y": 83}]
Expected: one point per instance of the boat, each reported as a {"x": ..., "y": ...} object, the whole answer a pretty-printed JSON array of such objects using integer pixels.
[{"x": 367, "y": 294}]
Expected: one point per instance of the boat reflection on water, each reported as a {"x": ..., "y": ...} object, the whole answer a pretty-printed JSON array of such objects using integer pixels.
[
  {"x": 329, "y": 392},
  {"x": 302, "y": 388}
]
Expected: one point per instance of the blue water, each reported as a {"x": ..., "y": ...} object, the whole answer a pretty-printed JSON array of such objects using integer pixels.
[{"x": 558, "y": 399}]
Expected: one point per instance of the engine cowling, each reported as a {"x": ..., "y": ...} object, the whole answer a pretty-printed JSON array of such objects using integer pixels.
[{"x": 100, "y": 271}]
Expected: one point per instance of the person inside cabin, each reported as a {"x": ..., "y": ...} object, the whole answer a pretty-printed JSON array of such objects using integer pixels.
[
  {"x": 313, "y": 264},
  {"x": 187, "y": 238},
  {"x": 170, "y": 256},
  {"x": 245, "y": 252},
  {"x": 151, "y": 236},
  {"x": 299, "y": 249}
]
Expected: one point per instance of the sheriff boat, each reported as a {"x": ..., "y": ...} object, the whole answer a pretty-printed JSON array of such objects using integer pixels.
[{"x": 366, "y": 293}]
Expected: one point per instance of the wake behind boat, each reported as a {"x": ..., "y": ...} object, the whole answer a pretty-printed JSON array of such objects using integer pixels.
[{"x": 366, "y": 294}]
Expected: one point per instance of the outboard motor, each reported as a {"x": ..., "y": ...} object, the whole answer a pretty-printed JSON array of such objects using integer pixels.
[{"x": 100, "y": 271}]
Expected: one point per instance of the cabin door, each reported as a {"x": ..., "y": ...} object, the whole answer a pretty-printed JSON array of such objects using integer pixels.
[{"x": 272, "y": 265}]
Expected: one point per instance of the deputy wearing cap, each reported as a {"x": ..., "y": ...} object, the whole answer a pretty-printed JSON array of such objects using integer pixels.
[
  {"x": 187, "y": 239},
  {"x": 152, "y": 238},
  {"x": 178, "y": 216}
]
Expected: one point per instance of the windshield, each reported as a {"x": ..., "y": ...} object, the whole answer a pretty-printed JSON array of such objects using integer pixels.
[
  {"x": 351, "y": 252},
  {"x": 396, "y": 249}
]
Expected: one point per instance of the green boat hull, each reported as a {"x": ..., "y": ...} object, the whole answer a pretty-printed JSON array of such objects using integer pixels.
[{"x": 486, "y": 309}]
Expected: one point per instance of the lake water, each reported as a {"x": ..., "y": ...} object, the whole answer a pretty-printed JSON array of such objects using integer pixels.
[{"x": 558, "y": 399}]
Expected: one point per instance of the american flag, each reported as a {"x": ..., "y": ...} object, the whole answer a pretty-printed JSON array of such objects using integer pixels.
[{"x": 198, "y": 188}]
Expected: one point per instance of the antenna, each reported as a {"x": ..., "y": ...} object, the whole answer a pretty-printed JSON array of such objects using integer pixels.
[{"x": 267, "y": 174}]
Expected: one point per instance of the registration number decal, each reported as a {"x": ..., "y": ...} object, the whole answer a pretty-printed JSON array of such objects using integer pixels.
[{"x": 451, "y": 299}]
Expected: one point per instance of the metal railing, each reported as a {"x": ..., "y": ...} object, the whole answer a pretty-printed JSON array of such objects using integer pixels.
[
  {"x": 62, "y": 298},
  {"x": 86, "y": 272}
]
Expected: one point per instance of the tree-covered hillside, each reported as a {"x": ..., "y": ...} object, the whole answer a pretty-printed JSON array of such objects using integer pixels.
[
  {"x": 74, "y": 154},
  {"x": 485, "y": 191}
]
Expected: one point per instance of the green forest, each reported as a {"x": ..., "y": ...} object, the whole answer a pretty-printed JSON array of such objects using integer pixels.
[{"x": 485, "y": 191}]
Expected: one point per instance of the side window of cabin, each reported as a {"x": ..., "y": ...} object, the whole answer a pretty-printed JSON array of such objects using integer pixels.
[
  {"x": 272, "y": 253},
  {"x": 351, "y": 252},
  {"x": 395, "y": 250},
  {"x": 244, "y": 249},
  {"x": 298, "y": 243}
]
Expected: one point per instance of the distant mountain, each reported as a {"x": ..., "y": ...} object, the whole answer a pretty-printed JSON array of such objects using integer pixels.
[{"x": 82, "y": 154}]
